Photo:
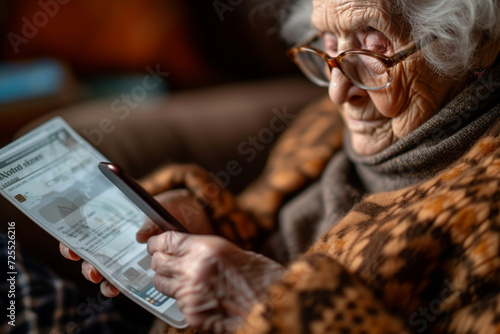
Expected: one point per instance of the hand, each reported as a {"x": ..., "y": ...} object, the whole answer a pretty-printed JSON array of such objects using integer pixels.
[
  {"x": 180, "y": 203},
  {"x": 90, "y": 272},
  {"x": 215, "y": 282}
]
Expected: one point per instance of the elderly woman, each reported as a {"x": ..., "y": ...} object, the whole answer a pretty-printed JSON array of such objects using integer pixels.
[{"x": 391, "y": 191}]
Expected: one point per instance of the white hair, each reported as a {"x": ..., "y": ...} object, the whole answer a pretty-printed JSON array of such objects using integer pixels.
[
  {"x": 451, "y": 31},
  {"x": 296, "y": 26}
]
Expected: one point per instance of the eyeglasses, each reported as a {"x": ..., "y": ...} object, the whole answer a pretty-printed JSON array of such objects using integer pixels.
[{"x": 365, "y": 69}]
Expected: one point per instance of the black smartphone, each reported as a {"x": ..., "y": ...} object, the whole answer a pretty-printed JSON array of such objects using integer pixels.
[{"x": 140, "y": 197}]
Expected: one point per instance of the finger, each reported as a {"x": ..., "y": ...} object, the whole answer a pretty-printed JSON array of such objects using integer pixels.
[
  {"x": 68, "y": 253},
  {"x": 147, "y": 230},
  {"x": 179, "y": 203},
  {"x": 183, "y": 206},
  {"x": 172, "y": 201},
  {"x": 171, "y": 242},
  {"x": 166, "y": 265},
  {"x": 90, "y": 273},
  {"x": 108, "y": 290},
  {"x": 168, "y": 286}
]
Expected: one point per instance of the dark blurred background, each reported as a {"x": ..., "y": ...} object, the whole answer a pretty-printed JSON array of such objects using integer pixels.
[
  {"x": 58, "y": 52},
  {"x": 226, "y": 63}
]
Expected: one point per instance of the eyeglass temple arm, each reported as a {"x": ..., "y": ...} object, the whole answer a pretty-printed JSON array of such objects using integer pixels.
[{"x": 405, "y": 53}]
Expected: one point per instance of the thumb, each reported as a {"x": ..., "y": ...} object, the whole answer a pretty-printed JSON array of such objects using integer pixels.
[
  {"x": 169, "y": 200},
  {"x": 182, "y": 205},
  {"x": 147, "y": 230}
]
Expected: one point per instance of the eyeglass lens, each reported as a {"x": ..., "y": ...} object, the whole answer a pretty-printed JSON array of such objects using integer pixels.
[
  {"x": 314, "y": 67},
  {"x": 365, "y": 71}
]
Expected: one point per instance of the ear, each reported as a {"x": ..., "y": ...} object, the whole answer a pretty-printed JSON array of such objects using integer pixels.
[{"x": 487, "y": 53}]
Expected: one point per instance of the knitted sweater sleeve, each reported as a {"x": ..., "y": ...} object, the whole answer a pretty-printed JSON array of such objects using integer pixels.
[{"x": 317, "y": 295}]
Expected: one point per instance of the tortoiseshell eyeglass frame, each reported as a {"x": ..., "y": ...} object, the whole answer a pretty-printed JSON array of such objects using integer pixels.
[{"x": 337, "y": 61}]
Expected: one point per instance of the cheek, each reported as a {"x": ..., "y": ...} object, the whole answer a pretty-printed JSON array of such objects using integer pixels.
[{"x": 391, "y": 101}]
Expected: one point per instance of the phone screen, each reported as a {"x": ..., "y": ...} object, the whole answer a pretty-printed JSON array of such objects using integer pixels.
[{"x": 51, "y": 175}]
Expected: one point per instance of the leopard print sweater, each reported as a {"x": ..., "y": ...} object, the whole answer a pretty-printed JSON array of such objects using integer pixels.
[{"x": 423, "y": 259}]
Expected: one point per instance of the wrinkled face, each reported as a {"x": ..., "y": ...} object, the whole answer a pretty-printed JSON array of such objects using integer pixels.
[{"x": 377, "y": 119}]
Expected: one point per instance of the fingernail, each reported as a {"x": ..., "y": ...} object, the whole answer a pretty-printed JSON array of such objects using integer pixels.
[
  {"x": 93, "y": 275},
  {"x": 71, "y": 254},
  {"x": 86, "y": 272},
  {"x": 112, "y": 291}
]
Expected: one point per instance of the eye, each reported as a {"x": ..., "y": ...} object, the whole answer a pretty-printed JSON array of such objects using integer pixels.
[
  {"x": 330, "y": 44},
  {"x": 374, "y": 40}
]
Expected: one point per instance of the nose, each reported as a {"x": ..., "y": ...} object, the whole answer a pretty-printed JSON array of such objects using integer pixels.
[{"x": 341, "y": 89}]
